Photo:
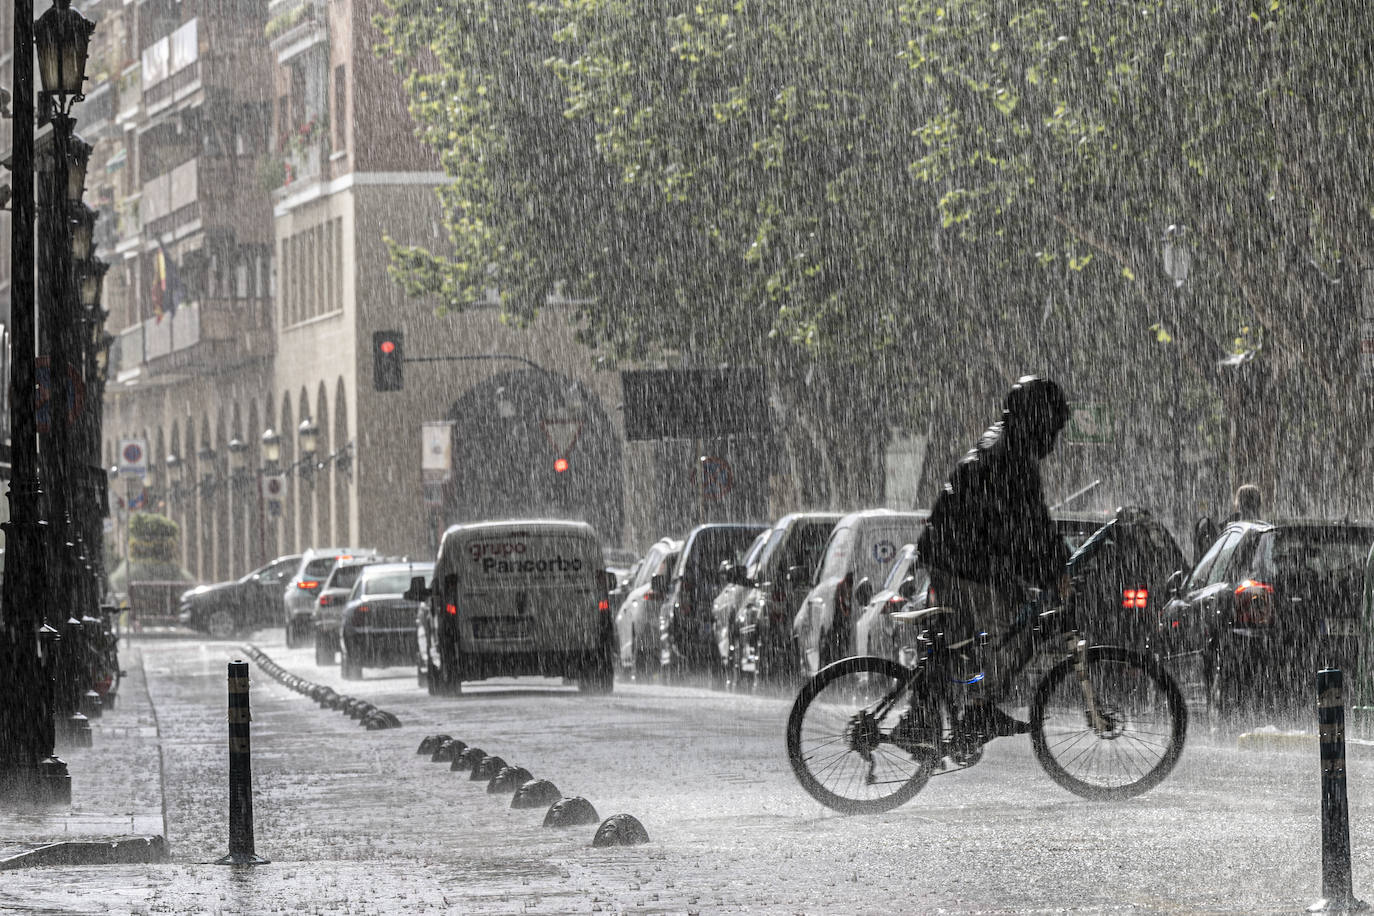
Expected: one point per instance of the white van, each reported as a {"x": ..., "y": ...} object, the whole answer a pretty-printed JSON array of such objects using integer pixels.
[
  {"x": 510, "y": 598},
  {"x": 857, "y": 558}
]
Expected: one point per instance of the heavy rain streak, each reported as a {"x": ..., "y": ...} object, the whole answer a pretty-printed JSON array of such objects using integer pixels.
[{"x": 686, "y": 457}]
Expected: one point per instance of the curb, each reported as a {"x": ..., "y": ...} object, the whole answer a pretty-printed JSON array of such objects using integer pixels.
[{"x": 143, "y": 850}]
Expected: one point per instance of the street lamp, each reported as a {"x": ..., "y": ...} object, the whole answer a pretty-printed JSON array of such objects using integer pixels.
[
  {"x": 62, "y": 36},
  {"x": 83, "y": 230},
  {"x": 238, "y": 458},
  {"x": 271, "y": 447},
  {"x": 309, "y": 437},
  {"x": 92, "y": 278}
]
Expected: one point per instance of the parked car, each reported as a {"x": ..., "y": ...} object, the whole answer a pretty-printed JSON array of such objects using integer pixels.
[
  {"x": 240, "y": 605},
  {"x": 738, "y": 581},
  {"x": 877, "y": 632},
  {"x": 303, "y": 588},
  {"x": 636, "y": 621},
  {"x": 514, "y": 598},
  {"x": 686, "y": 637},
  {"x": 759, "y": 649},
  {"x": 377, "y": 626},
  {"x": 327, "y": 615},
  {"x": 1119, "y": 575},
  {"x": 1266, "y": 607},
  {"x": 857, "y": 558}
]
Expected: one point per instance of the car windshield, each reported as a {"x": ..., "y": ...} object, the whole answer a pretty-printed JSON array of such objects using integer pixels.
[
  {"x": 1325, "y": 552},
  {"x": 320, "y": 566},
  {"x": 345, "y": 576},
  {"x": 710, "y": 548},
  {"x": 394, "y": 583}
]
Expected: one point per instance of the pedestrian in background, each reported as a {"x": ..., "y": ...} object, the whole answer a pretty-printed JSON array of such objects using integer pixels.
[{"x": 1247, "y": 504}]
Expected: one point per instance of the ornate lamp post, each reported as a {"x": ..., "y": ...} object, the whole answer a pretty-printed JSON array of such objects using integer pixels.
[
  {"x": 308, "y": 436},
  {"x": 29, "y": 773},
  {"x": 271, "y": 448}
]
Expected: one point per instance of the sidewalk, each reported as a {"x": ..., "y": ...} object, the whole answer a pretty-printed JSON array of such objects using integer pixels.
[{"x": 117, "y": 809}]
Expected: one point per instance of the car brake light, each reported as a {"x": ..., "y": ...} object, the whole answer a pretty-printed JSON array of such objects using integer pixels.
[
  {"x": 361, "y": 609},
  {"x": 893, "y": 604},
  {"x": 1135, "y": 597},
  {"x": 1254, "y": 604},
  {"x": 307, "y": 584},
  {"x": 603, "y": 605},
  {"x": 451, "y": 608},
  {"x": 326, "y": 600}
]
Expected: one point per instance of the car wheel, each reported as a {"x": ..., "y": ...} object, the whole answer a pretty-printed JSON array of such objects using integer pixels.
[{"x": 220, "y": 625}]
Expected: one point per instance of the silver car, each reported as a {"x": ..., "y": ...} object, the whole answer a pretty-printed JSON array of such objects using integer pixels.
[
  {"x": 303, "y": 590},
  {"x": 636, "y": 621}
]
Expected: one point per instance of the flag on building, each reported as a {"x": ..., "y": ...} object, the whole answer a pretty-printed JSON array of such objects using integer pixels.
[{"x": 166, "y": 291}]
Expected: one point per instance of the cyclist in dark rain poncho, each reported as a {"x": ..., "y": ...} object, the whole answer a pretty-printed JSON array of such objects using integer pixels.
[{"x": 990, "y": 537}]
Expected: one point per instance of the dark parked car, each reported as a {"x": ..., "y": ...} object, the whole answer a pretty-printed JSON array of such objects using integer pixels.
[
  {"x": 377, "y": 627},
  {"x": 686, "y": 628},
  {"x": 329, "y": 606},
  {"x": 241, "y": 605},
  {"x": 1266, "y": 607},
  {"x": 761, "y": 645}
]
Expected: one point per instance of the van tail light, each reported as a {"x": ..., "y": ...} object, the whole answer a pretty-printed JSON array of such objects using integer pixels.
[
  {"x": 893, "y": 604},
  {"x": 604, "y": 605},
  {"x": 308, "y": 585},
  {"x": 1254, "y": 604},
  {"x": 1135, "y": 597},
  {"x": 451, "y": 608}
]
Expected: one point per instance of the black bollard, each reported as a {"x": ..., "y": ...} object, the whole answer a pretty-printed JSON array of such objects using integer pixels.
[
  {"x": 240, "y": 772},
  {"x": 1337, "y": 896}
]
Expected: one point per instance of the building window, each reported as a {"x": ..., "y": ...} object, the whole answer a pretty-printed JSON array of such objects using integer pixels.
[{"x": 340, "y": 106}]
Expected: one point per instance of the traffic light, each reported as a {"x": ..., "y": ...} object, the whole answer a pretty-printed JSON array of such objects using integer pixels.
[{"x": 387, "y": 358}]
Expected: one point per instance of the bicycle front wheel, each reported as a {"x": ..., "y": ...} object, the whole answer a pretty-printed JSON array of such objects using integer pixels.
[
  {"x": 1143, "y": 718},
  {"x": 840, "y": 737}
]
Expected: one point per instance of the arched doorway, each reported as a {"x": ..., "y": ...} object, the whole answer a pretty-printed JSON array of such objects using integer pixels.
[{"x": 531, "y": 443}]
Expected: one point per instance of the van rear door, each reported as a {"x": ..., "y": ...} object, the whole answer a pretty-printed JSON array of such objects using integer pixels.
[{"x": 530, "y": 591}]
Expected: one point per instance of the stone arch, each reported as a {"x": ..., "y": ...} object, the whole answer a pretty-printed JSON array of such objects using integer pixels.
[
  {"x": 290, "y": 517},
  {"x": 343, "y": 467},
  {"x": 305, "y": 489},
  {"x": 324, "y": 477}
]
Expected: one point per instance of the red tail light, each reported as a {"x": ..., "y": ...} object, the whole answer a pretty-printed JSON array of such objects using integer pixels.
[
  {"x": 328, "y": 600},
  {"x": 893, "y": 604},
  {"x": 308, "y": 584},
  {"x": 361, "y": 609},
  {"x": 1254, "y": 604},
  {"x": 1135, "y": 597},
  {"x": 451, "y": 608},
  {"x": 603, "y": 605}
]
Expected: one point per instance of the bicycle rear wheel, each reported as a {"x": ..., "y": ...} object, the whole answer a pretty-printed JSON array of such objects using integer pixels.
[
  {"x": 1145, "y": 724},
  {"x": 840, "y": 737}
]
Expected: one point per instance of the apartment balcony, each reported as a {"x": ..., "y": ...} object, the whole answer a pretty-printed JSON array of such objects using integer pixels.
[
  {"x": 130, "y": 96},
  {"x": 198, "y": 338},
  {"x": 206, "y": 53},
  {"x": 296, "y": 27},
  {"x": 207, "y": 192}
]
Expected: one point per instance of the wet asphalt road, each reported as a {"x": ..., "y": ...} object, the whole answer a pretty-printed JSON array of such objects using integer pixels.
[{"x": 356, "y": 822}]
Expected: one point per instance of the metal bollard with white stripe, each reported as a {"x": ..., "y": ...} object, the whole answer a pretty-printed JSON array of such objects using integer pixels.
[
  {"x": 240, "y": 772},
  {"x": 1337, "y": 895}
]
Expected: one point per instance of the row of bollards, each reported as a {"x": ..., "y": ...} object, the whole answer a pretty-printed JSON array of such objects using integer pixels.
[
  {"x": 527, "y": 792},
  {"x": 369, "y": 716}
]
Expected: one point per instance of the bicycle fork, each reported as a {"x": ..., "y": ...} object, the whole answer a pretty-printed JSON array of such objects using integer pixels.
[{"x": 1078, "y": 647}]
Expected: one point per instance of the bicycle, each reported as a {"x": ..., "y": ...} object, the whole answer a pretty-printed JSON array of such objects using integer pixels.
[{"x": 866, "y": 733}]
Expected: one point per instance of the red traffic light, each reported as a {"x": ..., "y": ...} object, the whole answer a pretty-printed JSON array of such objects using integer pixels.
[
  {"x": 560, "y": 465},
  {"x": 388, "y": 346}
]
